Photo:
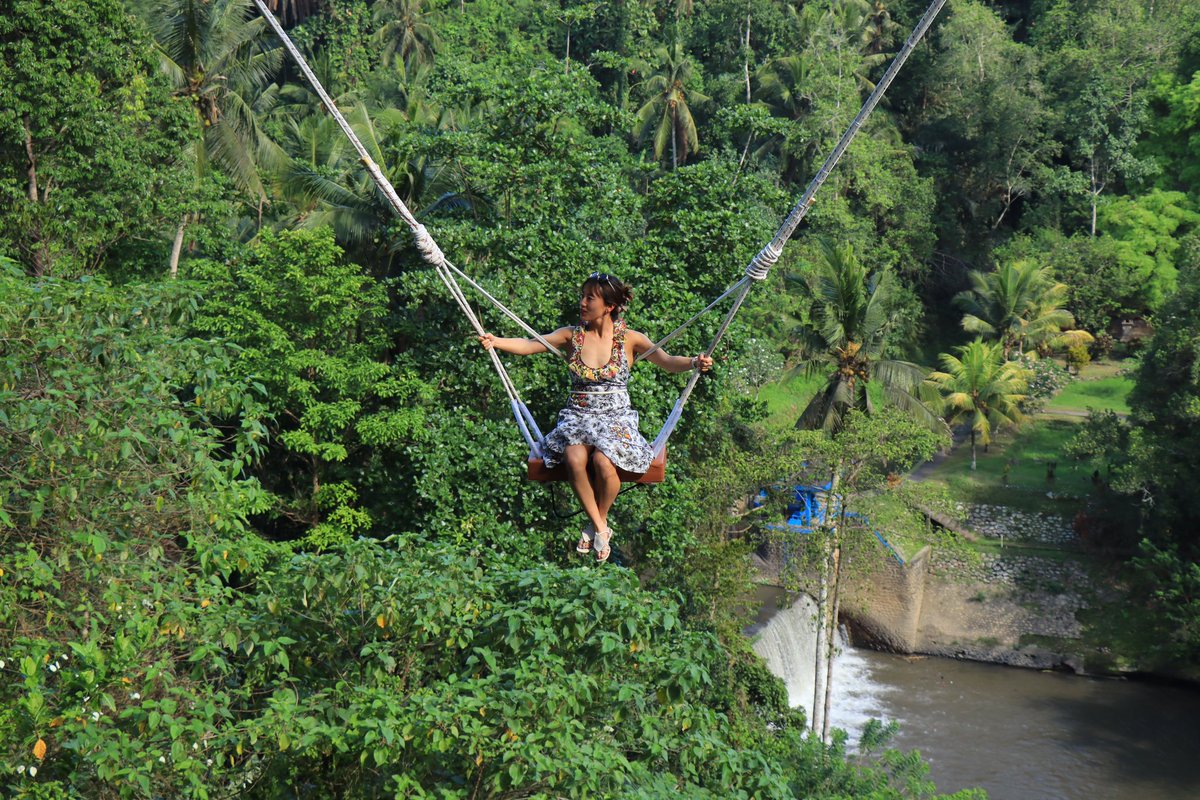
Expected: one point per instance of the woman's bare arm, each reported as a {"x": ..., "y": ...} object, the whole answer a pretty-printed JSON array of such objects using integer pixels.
[
  {"x": 526, "y": 347},
  {"x": 661, "y": 358}
]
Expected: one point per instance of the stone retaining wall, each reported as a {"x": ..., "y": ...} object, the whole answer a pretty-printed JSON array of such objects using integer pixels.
[{"x": 982, "y": 606}]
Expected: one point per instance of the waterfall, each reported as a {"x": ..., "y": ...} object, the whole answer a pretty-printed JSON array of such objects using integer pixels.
[{"x": 787, "y": 641}]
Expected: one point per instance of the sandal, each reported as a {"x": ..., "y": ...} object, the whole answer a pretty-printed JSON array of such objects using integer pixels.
[
  {"x": 584, "y": 545},
  {"x": 603, "y": 551}
]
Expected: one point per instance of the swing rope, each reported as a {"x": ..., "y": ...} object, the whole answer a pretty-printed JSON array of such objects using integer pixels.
[{"x": 757, "y": 270}]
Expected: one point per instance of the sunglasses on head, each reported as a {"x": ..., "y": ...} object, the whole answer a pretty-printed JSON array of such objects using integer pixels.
[{"x": 602, "y": 276}]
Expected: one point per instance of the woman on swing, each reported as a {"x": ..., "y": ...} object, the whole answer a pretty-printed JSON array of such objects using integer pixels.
[{"x": 598, "y": 427}]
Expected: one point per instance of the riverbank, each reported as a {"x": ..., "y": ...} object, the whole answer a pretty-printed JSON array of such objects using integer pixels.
[{"x": 1024, "y": 593}]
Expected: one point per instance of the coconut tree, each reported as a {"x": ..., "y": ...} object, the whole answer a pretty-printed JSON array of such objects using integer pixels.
[
  {"x": 845, "y": 338},
  {"x": 669, "y": 89},
  {"x": 1020, "y": 305},
  {"x": 406, "y": 31},
  {"x": 325, "y": 182},
  {"x": 982, "y": 385},
  {"x": 215, "y": 56},
  {"x": 787, "y": 89}
]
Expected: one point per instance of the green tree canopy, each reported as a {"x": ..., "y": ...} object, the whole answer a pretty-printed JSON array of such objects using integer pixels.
[
  {"x": 88, "y": 136},
  {"x": 983, "y": 386},
  {"x": 1019, "y": 305}
]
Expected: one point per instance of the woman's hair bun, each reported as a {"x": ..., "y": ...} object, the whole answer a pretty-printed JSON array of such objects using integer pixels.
[{"x": 614, "y": 290}]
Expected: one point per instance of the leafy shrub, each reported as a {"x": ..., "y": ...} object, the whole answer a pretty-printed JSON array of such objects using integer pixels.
[
  {"x": 1102, "y": 346},
  {"x": 1046, "y": 378},
  {"x": 405, "y": 669},
  {"x": 1078, "y": 357},
  {"x": 122, "y": 443},
  {"x": 310, "y": 328}
]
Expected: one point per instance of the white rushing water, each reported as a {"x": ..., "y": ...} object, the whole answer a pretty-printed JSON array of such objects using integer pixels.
[
  {"x": 787, "y": 642},
  {"x": 858, "y": 697}
]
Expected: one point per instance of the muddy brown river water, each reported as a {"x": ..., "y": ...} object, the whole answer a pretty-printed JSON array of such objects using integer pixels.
[{"x": 1028, "y": 735}]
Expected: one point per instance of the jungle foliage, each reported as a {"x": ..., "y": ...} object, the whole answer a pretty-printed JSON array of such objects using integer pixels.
[{"x": 263, "y": 527}]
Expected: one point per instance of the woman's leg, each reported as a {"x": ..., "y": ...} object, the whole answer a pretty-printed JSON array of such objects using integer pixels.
[
  {"x": 577, "y": 457},
  {"x": 606, "y": 485}
]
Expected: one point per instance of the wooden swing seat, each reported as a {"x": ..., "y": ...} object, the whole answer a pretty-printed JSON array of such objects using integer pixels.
[{"x": 655, "y": 474}]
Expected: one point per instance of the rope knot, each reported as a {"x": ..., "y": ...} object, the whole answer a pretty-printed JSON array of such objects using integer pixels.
[
  {"x": 761, "y": 264},
  {"x": 428, "y": 247}
]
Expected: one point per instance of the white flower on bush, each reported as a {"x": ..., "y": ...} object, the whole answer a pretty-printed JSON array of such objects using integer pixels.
[
  {"x": 96, "y": 716},
  {"x": 135, "y": 695},
  {"x": 32, "y": 771}
]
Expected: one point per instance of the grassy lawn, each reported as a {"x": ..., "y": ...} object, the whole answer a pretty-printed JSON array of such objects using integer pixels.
[
  {"x": 1103, "y": 385},
  {"x": 1102, "y": 394},
  {"x": 1025, "y": 454},
  {"x": 786, "y": 399}
]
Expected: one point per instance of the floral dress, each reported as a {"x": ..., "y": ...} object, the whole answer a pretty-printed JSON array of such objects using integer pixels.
[{"x": 598, "y": 412}]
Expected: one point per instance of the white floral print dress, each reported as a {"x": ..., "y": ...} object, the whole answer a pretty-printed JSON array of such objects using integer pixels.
[{"x": 598, "y": 412}]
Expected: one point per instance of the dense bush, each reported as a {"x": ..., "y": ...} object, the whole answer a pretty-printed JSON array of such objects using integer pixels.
[{"x": 1046, "y": 378}]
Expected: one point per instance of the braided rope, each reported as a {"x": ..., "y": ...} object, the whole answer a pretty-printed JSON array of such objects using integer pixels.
[
  {"x": 428, "y": 247},
  {"x": 760, "y": 266}
]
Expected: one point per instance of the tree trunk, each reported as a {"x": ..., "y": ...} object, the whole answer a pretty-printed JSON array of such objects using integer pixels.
[
  {"x": 177, "y": 246},
  {"x": 33, "y": 184},
  {"x": 40, "y": 254},
  {"x": 831, "y": 635},
  {"x": 1094, "y": 193},
  {"x": 972, "y": 449},
  {"x": 674, "y": 128},
  {"x": 746, "y": 57},
  {"x": 567, "y": 69},
  {"x": 622, "y": 47},
  {"x": 826, "y": 610},
  {"x": 818, "y": 704}
]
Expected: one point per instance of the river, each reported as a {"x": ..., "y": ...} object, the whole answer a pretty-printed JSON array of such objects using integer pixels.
[
  {"x": 1019, "y": 734},
  {"x": 1028, "y": 735}
]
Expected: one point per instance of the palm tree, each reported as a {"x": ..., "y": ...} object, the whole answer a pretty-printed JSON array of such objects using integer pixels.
[
  {"x": 1020, "y": 304},
  {"x": 859, "y": 24},
  {"x": 846, "y": 336},
  {"x": 878, "y": 28},
  {"x": 213, "y": 54},
  {"x": 325, "y": 181},
  {"x": 982, "y": 384},
  {"x": 668, "y": 104},
  {"x": 786, "y": 88},
  {"x": 405, "y": 31}
]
